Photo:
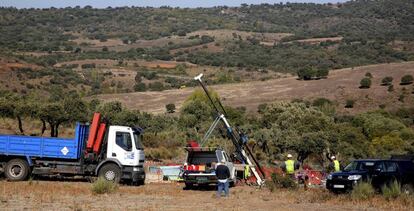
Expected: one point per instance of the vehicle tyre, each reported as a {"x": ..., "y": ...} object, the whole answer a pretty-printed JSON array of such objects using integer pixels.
[
  {"x": 407, "y": 189},
  {"x": 17, "y": 170},
  {"x": 141, "y": 182},
  {"x": 232, "y": 183},
  {"x": 110, "y": 172},
  {"x": 189, "y": 185}
]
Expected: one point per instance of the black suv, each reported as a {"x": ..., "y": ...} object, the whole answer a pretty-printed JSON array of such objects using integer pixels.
[{"x": 379, "y": 172}]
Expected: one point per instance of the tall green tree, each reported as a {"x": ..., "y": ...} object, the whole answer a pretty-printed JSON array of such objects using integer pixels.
[{"x": 296, "y": 127}]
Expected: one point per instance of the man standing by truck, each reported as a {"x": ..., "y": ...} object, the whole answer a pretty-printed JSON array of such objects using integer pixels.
[{"x": 223, "y": 175}]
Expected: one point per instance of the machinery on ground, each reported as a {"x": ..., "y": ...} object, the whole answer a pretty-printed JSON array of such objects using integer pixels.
[{"x": 239, "y": 139}]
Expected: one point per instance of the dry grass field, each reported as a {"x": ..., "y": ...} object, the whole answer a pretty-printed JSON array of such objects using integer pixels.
[
  {"x": 221, "y": 35},
  {"x": 341, "y": 85},
  {"x": 77, "y": 195}
]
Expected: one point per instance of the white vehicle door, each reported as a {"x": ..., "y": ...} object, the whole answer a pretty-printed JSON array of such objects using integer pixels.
[
  {"x": 229, "y": 164},
  {"x": 120, "y": 147}
]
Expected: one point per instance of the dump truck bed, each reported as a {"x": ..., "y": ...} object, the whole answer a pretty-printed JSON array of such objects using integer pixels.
[{"x": 44, "y": 147}]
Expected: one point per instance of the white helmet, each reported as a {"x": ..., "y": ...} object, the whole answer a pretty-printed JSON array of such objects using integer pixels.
[
  {"x": 333, "y": 157},
  {"x": 289, "y": 156}
]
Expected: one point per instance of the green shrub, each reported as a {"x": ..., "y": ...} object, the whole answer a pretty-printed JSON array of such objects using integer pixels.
[
  {"x": 322, "y": 73},
  {"x": 280, "y": 181},
  {"x": 87, "y": 66},
  {"x": 387, "y": 81},
  {"x": 365, "y": 83},
  {"x": 170, "y": 108},
  {"x": 401, "y": 98},
  {"x": 407, "y": 79},
  {"x": 156, "y": 86},
  {"x": 349, "y": 103},
  {"x": 140, "y": 87},
  {"x": 391, "y": 88},
  {"x": 261, "y": 108},
  {"x": 392, "y": 190},
  {"x": 102, "y": 186},
  {"x": 362, "y": 191},
  {"x": 321, "y": 101}
]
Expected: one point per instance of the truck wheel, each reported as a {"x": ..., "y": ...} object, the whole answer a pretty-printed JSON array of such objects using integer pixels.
[
  {"x": 17, "y": 170},
  {"x": 110, "y": 172},
  {"x": 141, "y": 182}
]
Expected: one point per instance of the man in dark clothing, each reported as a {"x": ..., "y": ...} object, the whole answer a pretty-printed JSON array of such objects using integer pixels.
[{"x": 223, "y": 175}]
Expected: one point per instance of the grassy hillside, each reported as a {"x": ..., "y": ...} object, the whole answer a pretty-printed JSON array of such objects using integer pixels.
[
  {"x": 340, "y": 86},
  {"x": 92, "y": 51}
]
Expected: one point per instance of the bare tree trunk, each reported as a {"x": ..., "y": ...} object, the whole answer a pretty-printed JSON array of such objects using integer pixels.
[
  {"x": 52, "y": 130},
  {"x": 57, "y": 130},
  {"x": 43, "y": 126},
  {"x": 19, "y": 120}
]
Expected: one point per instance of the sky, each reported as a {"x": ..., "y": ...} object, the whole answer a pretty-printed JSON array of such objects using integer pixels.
[{"x": 142, "y": 3}]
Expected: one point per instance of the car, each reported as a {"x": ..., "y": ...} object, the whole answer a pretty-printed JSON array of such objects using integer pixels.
[
  {"x": 199, "y": 169},
  {"x": 378, "y": 172}
]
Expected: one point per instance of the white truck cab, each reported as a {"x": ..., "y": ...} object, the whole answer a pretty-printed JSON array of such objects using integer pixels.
[
  {"x": 125, "y": 149},
  {"x": 124, "y": 145}
]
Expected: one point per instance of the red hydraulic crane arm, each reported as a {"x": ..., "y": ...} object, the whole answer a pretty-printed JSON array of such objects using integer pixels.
[
  {"x": 99, "y": 138},
  {"x": 93, "y": 131}
]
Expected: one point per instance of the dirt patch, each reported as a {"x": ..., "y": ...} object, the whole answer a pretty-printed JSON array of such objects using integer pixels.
[
  {"x": 97, "y": 62},
  {"x": 60, "y": 195},
  {"x": 112, "y": 63},
  {"x": 7, "y": 65},
  {"x": 210, "y": 47},
  {"x": 319, "y": 40},
  {"x": 98, "y": 43},
  {"x": 226, "y": 34},
  {"x": 340, "y": 86},
  {"x": 161, "y": 64}
]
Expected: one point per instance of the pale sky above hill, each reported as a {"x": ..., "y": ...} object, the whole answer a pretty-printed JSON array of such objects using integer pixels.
[{"x": 142, "y": 3}]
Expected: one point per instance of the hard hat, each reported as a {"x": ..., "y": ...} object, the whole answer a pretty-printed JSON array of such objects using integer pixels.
[
  {"x": 333, "y": 157},
  {"x": 289, "y": 156}
]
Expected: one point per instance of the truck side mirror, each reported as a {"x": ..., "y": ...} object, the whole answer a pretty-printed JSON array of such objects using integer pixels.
[{"x": 378, "y": 171}]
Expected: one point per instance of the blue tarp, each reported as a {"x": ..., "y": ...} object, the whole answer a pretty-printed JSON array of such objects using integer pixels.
[{"x": 171, "y": 172}]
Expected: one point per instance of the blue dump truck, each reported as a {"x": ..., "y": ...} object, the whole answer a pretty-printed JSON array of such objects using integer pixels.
[{"x": 112, "y": 152}]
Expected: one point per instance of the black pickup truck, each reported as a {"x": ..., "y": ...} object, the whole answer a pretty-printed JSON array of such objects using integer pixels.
[{"x": 378, "y": 171}]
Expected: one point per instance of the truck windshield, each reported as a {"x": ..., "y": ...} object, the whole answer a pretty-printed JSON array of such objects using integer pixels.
[{"x": 138, "y": 138}]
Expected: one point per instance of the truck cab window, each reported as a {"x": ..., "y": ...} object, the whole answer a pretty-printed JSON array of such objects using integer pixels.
[
  {"x": 138, "y": 143},
  {"x": 123, "y": 140}
]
